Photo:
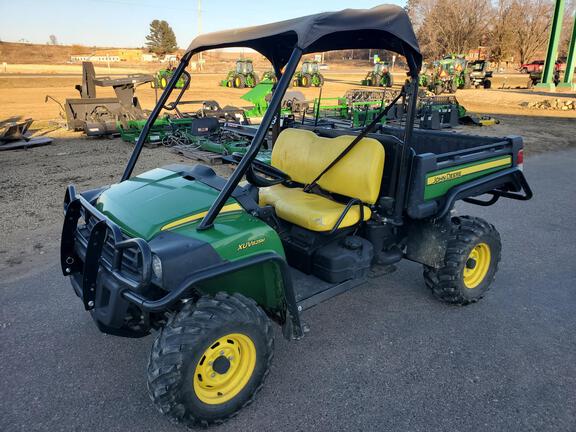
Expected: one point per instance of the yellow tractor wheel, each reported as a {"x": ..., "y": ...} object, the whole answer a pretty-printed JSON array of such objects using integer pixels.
[
  {"x": 471, "y": 261},
  {"x": 210, "y": 359}
]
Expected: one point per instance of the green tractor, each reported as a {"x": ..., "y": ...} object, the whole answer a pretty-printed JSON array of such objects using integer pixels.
[
  {"x": 208, "y": 263},
  {"x": 309, "y": 75},
  {"x": 162, "y": 78},
  {"x": 269, "y": 75},
  {"x": 241, "y": 77},
  {"x": 380, "y": 76},
  {"x": 449, "y": 75}
]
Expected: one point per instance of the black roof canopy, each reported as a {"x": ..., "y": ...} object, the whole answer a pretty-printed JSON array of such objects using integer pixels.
[{"x": 386, "y": 27}]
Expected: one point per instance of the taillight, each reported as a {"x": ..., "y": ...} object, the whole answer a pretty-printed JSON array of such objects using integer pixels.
[{"x": 520, "y": 159}]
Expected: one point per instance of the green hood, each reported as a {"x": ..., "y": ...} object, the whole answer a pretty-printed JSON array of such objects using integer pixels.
[{"x": 142, "y": 205}]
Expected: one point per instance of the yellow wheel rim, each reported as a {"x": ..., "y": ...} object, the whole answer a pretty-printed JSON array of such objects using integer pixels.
[
  {"x": 163, "y": 83},
  {"x": 477, "y": 265},
  {"x": 224, "y": 369},
  {"x": 304, "y": 81},
  {"x": 237, "y": 82}
]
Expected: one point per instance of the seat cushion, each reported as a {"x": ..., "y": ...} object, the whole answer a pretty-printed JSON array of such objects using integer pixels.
[
  {"x": 303, "y": 155},
  {"x": 308, "y": 210}
]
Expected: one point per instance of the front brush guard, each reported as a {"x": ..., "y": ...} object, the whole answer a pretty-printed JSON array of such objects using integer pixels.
[{"x": 75, "y": 205}]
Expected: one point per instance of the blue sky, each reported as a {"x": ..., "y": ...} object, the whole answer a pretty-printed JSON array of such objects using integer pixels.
[{"x": 124, "y": 23}]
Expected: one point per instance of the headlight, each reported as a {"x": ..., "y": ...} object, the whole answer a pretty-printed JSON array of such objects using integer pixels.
[{"x": 156, "y": 268}]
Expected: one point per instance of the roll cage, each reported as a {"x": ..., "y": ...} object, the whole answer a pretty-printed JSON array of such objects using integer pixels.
[{"x": 284, "y": 43}]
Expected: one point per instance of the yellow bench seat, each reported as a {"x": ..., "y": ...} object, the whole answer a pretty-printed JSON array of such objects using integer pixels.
[
  {"x": 310, "y": 211},
  {"x": 303, "y": 155}
]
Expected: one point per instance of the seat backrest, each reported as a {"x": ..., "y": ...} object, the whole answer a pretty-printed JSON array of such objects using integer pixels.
[{"x": 303, "y": 155}]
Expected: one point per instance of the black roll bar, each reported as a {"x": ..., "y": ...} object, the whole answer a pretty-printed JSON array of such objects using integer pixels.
[
  {"x": 270, "y": 114},
  {"x": 405, "y": 161},
  {"x": 154, "y": 115}
]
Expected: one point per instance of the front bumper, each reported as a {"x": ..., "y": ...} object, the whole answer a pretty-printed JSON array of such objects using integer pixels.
[{"x": 102, "y": 262}]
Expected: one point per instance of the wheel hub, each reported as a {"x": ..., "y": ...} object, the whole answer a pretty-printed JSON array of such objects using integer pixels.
[
  {"x": 221, "y": 365},
  {"x": 224, "y": 369},
  {"x": 477, "y": 265}
]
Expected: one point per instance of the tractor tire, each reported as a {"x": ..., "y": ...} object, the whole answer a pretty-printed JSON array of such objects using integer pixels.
[
  {"x": 321, "y": 78},
  {"x": 387, "y": 80},
  {"x": 487, "y": 84},
  {"x": 470, "y": 264},
  {"x": 467, "y": 81},
  {"x": 239, "y": 81},
  {"x": 210, "y": 359},
  {"x": 163, "y": 83},
  {"x": 295, "y": 82},
  {"x": 251, "y": 80},
  {"x": 153, "y": 83},
  {"x": 315, "y": 80},
  {"x": 306, "y": 80},
  {"x": 438, "y": 89},
  {"x": 376, "y": 80}
]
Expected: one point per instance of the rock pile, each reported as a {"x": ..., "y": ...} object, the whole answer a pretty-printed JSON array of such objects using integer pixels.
[{"x": 551, "y": 104}]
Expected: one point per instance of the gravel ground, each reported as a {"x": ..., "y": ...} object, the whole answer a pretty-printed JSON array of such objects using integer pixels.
[{"x": 33, "y": 182}]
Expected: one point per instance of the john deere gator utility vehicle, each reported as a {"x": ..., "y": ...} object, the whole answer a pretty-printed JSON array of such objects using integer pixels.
[
  {"x": 242, "y": 76},
  {"x": 309, "y": 75},
  {"x": 380, "y": 76},
  {"x": 211, "y": 264}
]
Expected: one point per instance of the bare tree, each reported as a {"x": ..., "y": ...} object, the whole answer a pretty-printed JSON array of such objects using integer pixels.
[
  {"x": 52, "y": 40},
  {"x": 502, "y": 37},
  {"x": 447, "y": 26},
  {"x": 530, "y": 25}
]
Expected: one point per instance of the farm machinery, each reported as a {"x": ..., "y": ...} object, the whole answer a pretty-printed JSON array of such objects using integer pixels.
[
  {"x": 163, "y": 76},
  {"x": 447, "y": 75},
  {"x": 269, "y": 75},
  {"x": 380, "y": 76},
  {"x": 242, "y": 76},
  {"x": 309, "y": 75},
  {"x": 480, "y": 73},
  {"x": 98, "y": 116}
]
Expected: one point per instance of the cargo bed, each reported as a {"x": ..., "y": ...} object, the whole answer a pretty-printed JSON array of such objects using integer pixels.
[{"x": 449, "y": 166}]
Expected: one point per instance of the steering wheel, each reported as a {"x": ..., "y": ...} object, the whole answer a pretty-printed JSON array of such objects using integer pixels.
[{"x": 277, "y": 176}]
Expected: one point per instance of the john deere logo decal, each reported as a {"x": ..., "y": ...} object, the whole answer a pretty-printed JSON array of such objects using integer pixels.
[
  {"x": 444, "y": 177},
  {"x": 250, "y": 243}
]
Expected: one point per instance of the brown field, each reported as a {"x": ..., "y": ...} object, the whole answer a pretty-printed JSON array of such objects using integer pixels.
[{"x": 32, "y": 182}]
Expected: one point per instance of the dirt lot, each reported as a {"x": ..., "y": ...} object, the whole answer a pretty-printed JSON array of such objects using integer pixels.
[{"x": 33, "y": 181}]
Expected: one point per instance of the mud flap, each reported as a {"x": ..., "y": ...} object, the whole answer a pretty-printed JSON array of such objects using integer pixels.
[{"x": 427, "y": 241}]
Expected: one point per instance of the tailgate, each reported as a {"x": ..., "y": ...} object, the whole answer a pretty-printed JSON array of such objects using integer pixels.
[{"x": 438, "y": 180}]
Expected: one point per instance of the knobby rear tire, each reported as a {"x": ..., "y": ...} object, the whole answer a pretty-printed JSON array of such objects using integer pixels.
[{"x": 447, "y": 282}]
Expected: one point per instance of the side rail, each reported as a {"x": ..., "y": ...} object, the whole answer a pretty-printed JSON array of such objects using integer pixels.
[
  {"x": 438, "y": 181},
  {"x": 77, "y": 207}
]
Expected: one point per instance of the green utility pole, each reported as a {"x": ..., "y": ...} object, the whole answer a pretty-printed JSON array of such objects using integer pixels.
[
  {"x": 547, "y": 80},
  {"x": 567, "y": 83}
]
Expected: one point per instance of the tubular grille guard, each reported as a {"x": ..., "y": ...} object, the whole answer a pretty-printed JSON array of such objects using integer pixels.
[{"x": 77, "y": 206}]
